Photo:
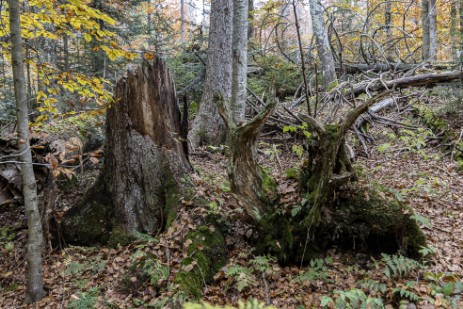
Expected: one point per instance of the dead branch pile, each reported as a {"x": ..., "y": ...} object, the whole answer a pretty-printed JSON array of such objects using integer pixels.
[{"x": 52, "y": 157}]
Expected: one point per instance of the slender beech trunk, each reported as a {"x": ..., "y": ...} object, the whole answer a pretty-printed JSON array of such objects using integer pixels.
[
  {"x": 182, "y": 21},
  {"x": 251, "y": 19},
  {"x": 239, "y": 59},
  {"x": 323, "y": 46},
  {"x": 425, "y": 28},
  {"x": 301, "y": 52},
  {"x": 208, "y": 127},
  {"x": 432, "y": 30},
  {"x": 453, "y": 30},
  {"x": 34, "y": 291},
  {"x": 66, "y": 52},
  {"x": 388, "y": 24},
  {"x": 98, "y": 56},
  {"x": 282, "y": 39},
  {"x": 461, "y": 34}
]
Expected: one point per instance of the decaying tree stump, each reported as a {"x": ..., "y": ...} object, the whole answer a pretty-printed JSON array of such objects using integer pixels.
[
  {"x": 144, "y": 179},
  {"x": 146, "y": 168}
]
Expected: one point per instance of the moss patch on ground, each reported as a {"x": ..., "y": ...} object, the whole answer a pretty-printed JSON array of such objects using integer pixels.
[{"x": 206, "y": 255}]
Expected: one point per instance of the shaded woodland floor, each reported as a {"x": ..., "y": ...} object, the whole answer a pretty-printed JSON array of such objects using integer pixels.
[{"x": 140, "y": 275}]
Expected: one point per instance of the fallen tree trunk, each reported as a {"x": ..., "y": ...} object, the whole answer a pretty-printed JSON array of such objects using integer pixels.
[
  {"x": 405, "y": 82},
  {"x": 374, "y": 109},
  {"x": 352, "y": 68},
  {"x": 376, "y": 67}
]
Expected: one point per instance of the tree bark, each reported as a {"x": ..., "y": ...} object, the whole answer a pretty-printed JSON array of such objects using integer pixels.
[
  {"x": 433, "y": 30},
  {"x": 251, "y": 20},
  {"x": 99, "y": 57},
  {"x": 425, "y": 28},
  {"x": 182, "y": 22},
  {"x": 146, "y": 166},
  {"x": 247, "y": 179},
  {"x": 323, "y": 45},
  {"x": 208, "y": 127},
  {"x": 239, "y": 59},
  {"x": 429, "y": 21},
  {"x": 454, "y": 31},
  {"x": 145, "y": 178},
  {"x": 388, "y": 24},
  {"x": 34, "y": 290}
]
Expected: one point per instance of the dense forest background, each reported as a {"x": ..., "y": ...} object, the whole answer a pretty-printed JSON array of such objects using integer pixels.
[{"x": 295, "y": 154}]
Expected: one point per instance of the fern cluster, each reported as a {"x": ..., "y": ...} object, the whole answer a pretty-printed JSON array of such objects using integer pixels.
[
  {"x": 352, "y": 299},
  {"x": 250, "y": 304},
  {"x": 398, "y": 266},
  {"x": 373, "y": 286}
]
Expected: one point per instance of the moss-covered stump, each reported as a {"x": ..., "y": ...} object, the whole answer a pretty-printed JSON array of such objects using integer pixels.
[
  {"x": 373, "y": 219},
  {"x": 207, "y": 253},
  {"x": 369, "y": 219}
]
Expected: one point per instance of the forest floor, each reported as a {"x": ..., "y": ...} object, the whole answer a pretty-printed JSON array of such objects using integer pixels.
[{"x": 424, "y": 175}]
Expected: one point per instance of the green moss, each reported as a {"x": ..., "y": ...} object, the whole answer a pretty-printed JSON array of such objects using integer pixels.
[
  {"x": 377, "y": 219},
  {"x": 268, "y": 183},
  {"x": 332, "y": 131},
  {"x": 207, "y": 254},
  {"x": 284, "y": 237},
  {"x": 120, "y": 237},
  {"x": 88, "y": 223},
  {"x": 174, "y": 192},
  {"x": 292, "y": 173},
  {"x": 275, "y": 237},
  {"x": 431, "y": 119},
  {"x": 332, "y": 85}
]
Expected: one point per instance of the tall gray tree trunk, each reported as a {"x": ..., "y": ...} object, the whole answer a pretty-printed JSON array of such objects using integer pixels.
[
  {"x": 251, "y": 19},
  {"x": 432, "y": 30},
  {"x": 428, "y": 24},
  {"x": 388, "y": 24},
  {"x": 282, "y": 26},
  {"x": 34, "y": 291},
  {"x": 239, "y": 59},
  {"x": 208, "y": 127},
  {"x": 323, "y": 46},
  {"x": 454, "y": 31},
  {"x": 246, "y": 177},
  {"x": 182, "y": 21}
]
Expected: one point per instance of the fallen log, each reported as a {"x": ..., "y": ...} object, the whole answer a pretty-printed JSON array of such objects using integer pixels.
[
  {"x": 352, "y": 68},
  {"x": 405, "y": 82}
]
